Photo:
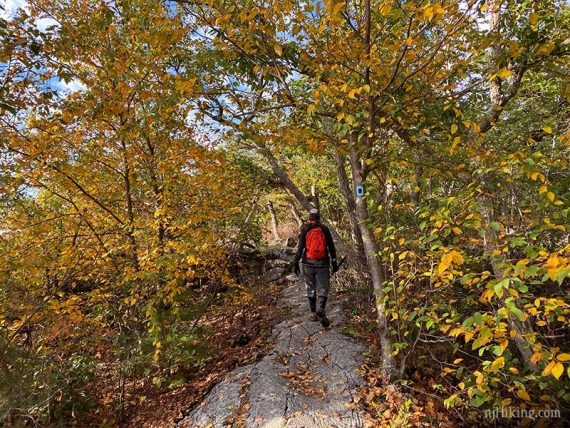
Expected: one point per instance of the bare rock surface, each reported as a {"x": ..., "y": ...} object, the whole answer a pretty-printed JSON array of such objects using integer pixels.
[{"x": 308, "y": 379}]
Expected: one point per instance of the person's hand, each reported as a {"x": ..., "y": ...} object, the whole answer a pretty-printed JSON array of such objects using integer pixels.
[
  {"x": 296, "y": 268},
  {"x": 334, "y": 266}
]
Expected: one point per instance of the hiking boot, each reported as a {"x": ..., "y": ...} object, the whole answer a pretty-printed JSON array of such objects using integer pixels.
[
  {"x": 313, "y": 304},
  {"x": 325, "y": 322},
  {"x": 313, "y": 316}
]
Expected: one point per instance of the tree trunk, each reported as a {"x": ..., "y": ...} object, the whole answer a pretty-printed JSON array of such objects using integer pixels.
[
  {"x": 274, "y": 223},
  {"x": 315, "y": 197},
  {"x": 130, "y": 211},
  {"x": 522, "y": 329},
  {"x": 370, "y": 249},
  {"x": 494, "y": 28},
  {"x": 295, "y": 213},
  {"x": 348, "y": 194}
]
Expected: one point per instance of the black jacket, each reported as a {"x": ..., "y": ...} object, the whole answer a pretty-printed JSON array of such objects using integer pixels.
[{"x": 301, "y": 248}]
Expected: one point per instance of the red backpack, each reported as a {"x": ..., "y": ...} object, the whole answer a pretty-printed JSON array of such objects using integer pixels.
[{"x": 316, "y": 243}]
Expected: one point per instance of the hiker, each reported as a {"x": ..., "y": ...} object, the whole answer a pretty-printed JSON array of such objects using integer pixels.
[{"x": 316, "y": 252}]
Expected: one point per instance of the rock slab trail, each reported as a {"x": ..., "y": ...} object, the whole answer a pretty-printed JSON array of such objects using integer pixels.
[{"x": 308, "y": 380}]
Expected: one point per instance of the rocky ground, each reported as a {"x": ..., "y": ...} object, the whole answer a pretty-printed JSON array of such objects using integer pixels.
[{"x": 308, "y": 380}]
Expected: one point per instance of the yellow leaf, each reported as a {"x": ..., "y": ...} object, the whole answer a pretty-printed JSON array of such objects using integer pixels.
[
  {"x": 453, "y": 129},
  {"x": 543, "y": 189},
  {"x": 444, "y": 263},
  {"x": 550, "y": 196},
  {"x": 503, "y": 73},
  {"x": 557, "y": 370},
  {"x": 498, "y": 363},
  {"x": 457, "y": 230},
  {"x": 456, "y": 141},
  {"x": 553, "y": 261},
  {"x": 385, "y": 9},
  {"x": 456, "y": 257},
  {"x": 278, "y": 49},
  {"x": 563, "y": 357},
  {"x": 514, "y": 49},
  {"x": 533, "y": 18},
  {"x": 545, "y": 397},
  {"x": 548, "y": 368},
  {"x": 337, "y": 7},
  {"x": 547, "y": 129},
  {"x": 457, "y": 361},
  {"x": 428, "y": 13},
  {"x": 535, "y": 358},
  {"x": 401, "y": 241},
  {"x": 523, "y": 394}
]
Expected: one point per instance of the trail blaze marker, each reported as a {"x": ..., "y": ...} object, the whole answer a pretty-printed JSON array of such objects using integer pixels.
[{"x": 359, "y": 190}]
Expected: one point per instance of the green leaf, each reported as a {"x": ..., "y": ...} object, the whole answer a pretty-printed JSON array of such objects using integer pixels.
[
  {"x": 478, "y": 400},
  {"x": 498, "y": 287},
  {"x": 561, "y": 276}
]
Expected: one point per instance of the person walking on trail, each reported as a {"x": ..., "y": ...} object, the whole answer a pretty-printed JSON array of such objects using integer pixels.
[{"x": 317, "y": 253}]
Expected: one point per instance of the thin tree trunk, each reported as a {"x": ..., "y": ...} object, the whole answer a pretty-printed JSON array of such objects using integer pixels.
[
  {"x": 274, "y": 223},
  {"x": 348, "y": 194},
  {"x": 370, "y": 250},
  {"x": 130, "y": 211},
  {"x": 494, "y": 28},
  {"x": 158, "y": 194},
  {"x": 295, "y": 213},
  {"x": 315, "y": 197},
  {"x": 523, "y": 330}
]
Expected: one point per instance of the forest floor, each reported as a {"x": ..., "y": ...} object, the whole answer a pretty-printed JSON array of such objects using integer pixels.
[{"x": 309, "y": 379}]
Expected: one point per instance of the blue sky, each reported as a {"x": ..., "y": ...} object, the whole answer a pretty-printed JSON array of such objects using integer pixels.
[
  {"x": 11, "y": 6},
  {"x": 10, "y": 9}
]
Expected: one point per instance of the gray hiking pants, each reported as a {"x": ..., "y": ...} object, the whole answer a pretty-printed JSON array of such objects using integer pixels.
[{"x": 317, "y": 281}]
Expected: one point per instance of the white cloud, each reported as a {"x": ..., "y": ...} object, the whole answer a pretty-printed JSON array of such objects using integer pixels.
[
  {"x": 73, "y": 86},
  {"x": 44, "y": 23},
  {"x": 11, "y": 7}
]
